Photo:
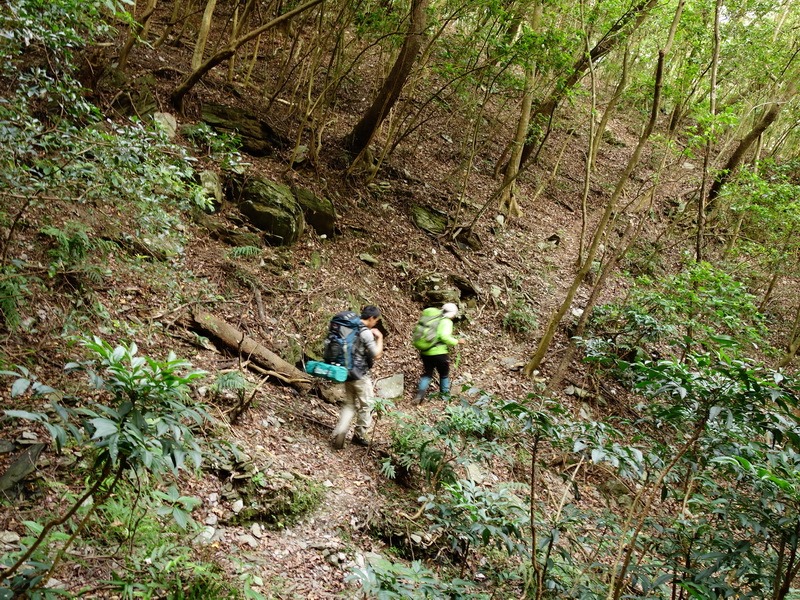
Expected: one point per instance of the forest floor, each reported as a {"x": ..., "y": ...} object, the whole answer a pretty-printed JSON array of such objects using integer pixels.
[{"x": 527, "y": 262}]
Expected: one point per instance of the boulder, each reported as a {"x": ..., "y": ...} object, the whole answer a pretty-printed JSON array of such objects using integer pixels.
[
  {"x": 230, "y": 235},
  {"x": 167, "y": 122},
  {"x": 318, "y": 212},
  {"x": 212, "y": 186},
  {"x": 390, "y": 387},
  {"x": 258, "y": 137},
  {"x": 436, "y": 289},
  {"x": 272, "y": 208}
]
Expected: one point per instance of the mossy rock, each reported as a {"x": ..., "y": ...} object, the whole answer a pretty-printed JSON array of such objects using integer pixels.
[
  {"x": 319, "y": 212},
  {"x": 428, "y": 219},
  {"x": 392, "y": 527},
  {"x": 436, "y": 289},
  {"x": 277, "y": 499},
  {"x": 272, "y": 208},
  {"x": 258, "y": 137}
]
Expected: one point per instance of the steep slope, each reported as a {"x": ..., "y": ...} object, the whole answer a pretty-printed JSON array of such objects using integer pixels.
[{"x": 282, "y": 297}]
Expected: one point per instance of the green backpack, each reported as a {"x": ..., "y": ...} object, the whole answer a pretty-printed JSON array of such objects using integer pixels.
[{"x": 425, "y": 333}]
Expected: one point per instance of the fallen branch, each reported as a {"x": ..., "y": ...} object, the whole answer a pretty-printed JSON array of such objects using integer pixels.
[{"x": 252, "y": 351}]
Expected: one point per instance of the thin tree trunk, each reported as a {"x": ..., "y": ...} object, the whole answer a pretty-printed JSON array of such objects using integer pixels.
[
  {"x": 202, "y": 34},
  {"x": 508, "y": 200},
  {"x": 605, "y": 273},
  {"x": 173, "y": 19},
  {"x": 252, "y": 62},
  {"x": 587, "y": 171},
  {"x": 626, "y": 550},
  {"x": 701, "y": 201},
  {"x": 794, "y": 341},
  {"x": 362, "y": 134},
  {"x": 238, "y": 23},
  {"x": 738, "y": 155},
  {"x": 626, "y": 24},
  {"x": 609, "y": 109},
  {"x": 792, "y": 567},
  {"x": 538, "y": 569},
  {"x": 89, "y": 493},
  {"x": 782, "y": 138},
  {"x": 778, "y": 268},
  {"x": 197, "y": 74},
  {"x": 133, "y": 34},
  {"x": 544, "y": 344}
]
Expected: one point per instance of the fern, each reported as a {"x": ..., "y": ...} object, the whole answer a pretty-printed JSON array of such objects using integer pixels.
[
  {"x": 13, "y": 288},
  {"x": 71, "y": 251},
  {"x": 72, "y": 243},
  {"x": 233, "y": 380},
  {"x": 244, "y": 252}
]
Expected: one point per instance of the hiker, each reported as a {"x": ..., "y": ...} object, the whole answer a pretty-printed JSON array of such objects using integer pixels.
[
  {"x": 368, "y": 347},
  {"x": 433, "y": 336}
]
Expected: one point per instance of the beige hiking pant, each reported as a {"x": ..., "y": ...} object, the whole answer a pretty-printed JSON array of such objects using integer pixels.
[{"x": 357, "y": 402}]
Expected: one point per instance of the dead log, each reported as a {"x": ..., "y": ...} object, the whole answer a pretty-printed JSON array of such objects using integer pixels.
[{"x": 251, "y": 350}]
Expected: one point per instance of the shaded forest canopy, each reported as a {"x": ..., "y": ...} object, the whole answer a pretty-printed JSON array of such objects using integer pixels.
[{"x": 609, "y": 192}]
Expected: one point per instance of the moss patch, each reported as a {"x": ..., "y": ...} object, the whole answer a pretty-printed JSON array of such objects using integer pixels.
[{"x": 278, "y": 499}]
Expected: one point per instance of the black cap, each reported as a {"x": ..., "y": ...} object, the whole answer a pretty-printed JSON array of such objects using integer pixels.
[{"x": 370, "y": 311}]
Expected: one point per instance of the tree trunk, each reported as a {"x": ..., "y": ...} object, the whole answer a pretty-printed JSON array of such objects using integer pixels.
[
  {"x": 544, "y": 111},
  {"x": 252, "y": 350},
  {"x": 508, "y": 199},
  {"x": 794, "y": 341},
  {"x": 609, "y": 109},
  {"x": 133, "y": 34},
  {"x": 202, "y": 34},
  {"x": 738, "y": 155},
  {"x": 600, "y": 231},
  {"x": 362, "y": 134},
  {"x": 197, "y": 74},
  {"x": 628, "y": 237},
  {"x": 173, "y": 19},
  {"x": 701, "y": 201}
]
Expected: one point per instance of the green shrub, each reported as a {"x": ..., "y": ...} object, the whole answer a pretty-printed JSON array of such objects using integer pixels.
[
  {"x": 700, "y": 307},
  {"x": 521, "y": 319},
  {"x": 137, "y": 418},
  {"x": 393, "y": 580}
]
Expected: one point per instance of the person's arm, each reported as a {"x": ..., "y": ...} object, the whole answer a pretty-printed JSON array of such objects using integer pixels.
[
  {"x": 445, "y": 333},
  {"x": 378, "y": 343},
  {"x": 373, "y": 340}
]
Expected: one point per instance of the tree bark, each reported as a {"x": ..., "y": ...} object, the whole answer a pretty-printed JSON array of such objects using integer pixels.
[
  {"x": 738, "y": 154},
  {"x": 794, "y": 341},
  {"x": 136, "y": 29},
  {"x": 609, "y": 109},
  {"x": 252, "y": 350},
  {"x": 202, "y": 34},
  {"x": 508, "y": 197},
  {"x": 197, "y": 74},
  {"x": 701, "y": 201},
  {"x": 544, "y": 111},
  {"x": 362, "y": 134}
]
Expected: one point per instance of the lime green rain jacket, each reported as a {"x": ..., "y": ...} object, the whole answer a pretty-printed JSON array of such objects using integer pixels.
[{"x": 444, "y": 333}]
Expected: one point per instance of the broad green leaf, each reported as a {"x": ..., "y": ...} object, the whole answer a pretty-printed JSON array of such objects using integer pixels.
[
  {"x": 181, "y": 518},
  {"x": 103, "y": 428},
  {"x": 24, "y": 414},
  {"x": 19, "y": 387}
]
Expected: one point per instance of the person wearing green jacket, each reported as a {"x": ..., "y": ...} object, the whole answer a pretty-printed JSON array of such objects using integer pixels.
[{"x": 437, "y": 356}]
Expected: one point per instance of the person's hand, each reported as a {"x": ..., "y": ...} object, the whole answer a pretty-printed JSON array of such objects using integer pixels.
[
  {"x": 462, "y": 341},
  {"x": 377, "y": 333}
]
